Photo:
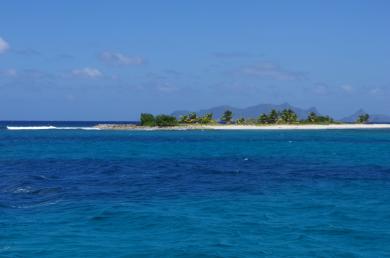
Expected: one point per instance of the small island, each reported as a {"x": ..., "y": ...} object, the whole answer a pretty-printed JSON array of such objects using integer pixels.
[{"x": 285, "y": 119}]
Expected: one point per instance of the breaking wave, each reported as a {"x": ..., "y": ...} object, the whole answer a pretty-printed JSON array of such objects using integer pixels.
[{"x": 49, "y": 128}]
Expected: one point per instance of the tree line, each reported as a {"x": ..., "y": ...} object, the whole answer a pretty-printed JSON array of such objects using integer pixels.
[{"x": 286, "y": 116}]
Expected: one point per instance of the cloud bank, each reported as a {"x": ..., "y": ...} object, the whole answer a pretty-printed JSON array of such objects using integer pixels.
[{"x": 87, "y": 72}]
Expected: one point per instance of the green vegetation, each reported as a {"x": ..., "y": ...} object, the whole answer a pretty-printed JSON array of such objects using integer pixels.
[
  {"x": 192, "y": 118},
  {"x": 165, "y": 120},
  {"x": 160, "y": 120},
  {"x": 273, "y": 117},
  {"x": 241, "y": 121},
  {"x": 313, "y": 118},
  {"x": 263, "y": 119},
  {"x": 206, "y": 119},
  {"x": 286, "y": 116},
  {"x": 227, "y": 117},
  {"x": 183, "y": 119},
  {"x": 363, "y": 119},
  {"x": 147, "y": 120}
]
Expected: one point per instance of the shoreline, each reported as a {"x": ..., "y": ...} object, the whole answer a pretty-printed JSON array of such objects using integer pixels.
[{"x": 131, "y": 127}]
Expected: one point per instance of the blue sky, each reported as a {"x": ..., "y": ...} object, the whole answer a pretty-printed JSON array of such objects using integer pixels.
[{"x": 111, "y": 60}]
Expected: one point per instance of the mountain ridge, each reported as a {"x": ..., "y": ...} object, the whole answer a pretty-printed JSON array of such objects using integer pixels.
[{"x": 374, "y": 118}]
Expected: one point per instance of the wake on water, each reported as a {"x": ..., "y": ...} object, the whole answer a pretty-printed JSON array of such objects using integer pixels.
[{"x": 49, "y": 128}]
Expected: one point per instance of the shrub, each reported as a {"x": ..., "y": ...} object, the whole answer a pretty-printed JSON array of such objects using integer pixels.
[
  {"x": 183, "y": 119},
  {"x": 165, "y": 120},
  {"x": 147, "y": 119},
  {"x": 240, "y": 121},
  {"x": 314, "y": 118},
  {"x": 206, "y": 119}
]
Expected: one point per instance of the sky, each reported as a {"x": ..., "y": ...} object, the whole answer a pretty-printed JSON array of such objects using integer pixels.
[{"x": 111, "y": 60}]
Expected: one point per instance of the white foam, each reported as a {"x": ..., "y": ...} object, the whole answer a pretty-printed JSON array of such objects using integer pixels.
[
  {"x": 49, "y": 128},
  {"x": 30, "y": 127},
  {"x": 23, "y": 190},
  {"x": 77, "y": 128}
]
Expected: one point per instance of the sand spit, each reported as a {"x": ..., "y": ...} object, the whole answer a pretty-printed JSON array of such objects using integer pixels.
[{"x": 242, "y": 127}]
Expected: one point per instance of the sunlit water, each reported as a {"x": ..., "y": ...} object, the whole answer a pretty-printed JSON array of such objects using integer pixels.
[{"x": 75, "y": 193}]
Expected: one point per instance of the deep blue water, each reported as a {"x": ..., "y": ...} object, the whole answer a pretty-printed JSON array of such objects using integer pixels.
[{"x": 76, "y": 193}]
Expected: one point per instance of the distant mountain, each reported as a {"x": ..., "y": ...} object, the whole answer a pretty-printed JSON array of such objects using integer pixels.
[
  {"x": 374, "y": 118},
  {"x": 352, "y": 118},
  {"x": 248, "y": 112}
]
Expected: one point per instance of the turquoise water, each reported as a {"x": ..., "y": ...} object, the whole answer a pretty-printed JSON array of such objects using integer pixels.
[{"x": 76, "y": 193}]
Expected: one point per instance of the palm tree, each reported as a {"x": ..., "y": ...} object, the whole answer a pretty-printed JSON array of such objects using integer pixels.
[
  {"x": 289, "y": 116},
  {"x": 363, "y": 118},
  {"x": 312, "y": 117},
  {"x": 206, "y": 119},
  {"x": 192, "y": 117},
  {"x": 263, "y": 119},
  {"x": 273, "y": 116},
  {"x": 227, "y": 117}
]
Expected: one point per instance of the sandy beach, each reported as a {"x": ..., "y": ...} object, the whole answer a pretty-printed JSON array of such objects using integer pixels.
[{"x": 245, "y": 127}]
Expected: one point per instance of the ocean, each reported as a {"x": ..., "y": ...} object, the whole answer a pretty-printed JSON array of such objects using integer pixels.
[{"x": 89, "y": 193}]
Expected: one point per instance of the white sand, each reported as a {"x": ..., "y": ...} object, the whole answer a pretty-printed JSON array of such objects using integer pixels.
[{"x": 299, "y": 127}]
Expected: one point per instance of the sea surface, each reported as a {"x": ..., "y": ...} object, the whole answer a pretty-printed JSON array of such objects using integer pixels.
[{"x": 88, "y": 193}]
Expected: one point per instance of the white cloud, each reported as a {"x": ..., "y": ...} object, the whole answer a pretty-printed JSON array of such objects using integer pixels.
[
  {"x": 120, "y": 59},
  {"x": 87, "y": 72},
  {"x": 347, "y": 88},
  {"x": 272, "y": 71},
  {"x": 4, "y": 46}
]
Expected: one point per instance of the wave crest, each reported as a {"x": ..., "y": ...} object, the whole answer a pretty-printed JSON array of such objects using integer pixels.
[{"x": 50, "y": 127}]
